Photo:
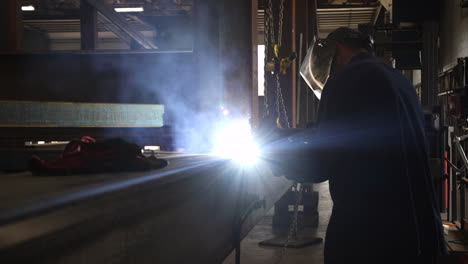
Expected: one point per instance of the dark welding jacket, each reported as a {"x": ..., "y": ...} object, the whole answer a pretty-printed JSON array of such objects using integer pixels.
[{"x": 370, "y": 145}]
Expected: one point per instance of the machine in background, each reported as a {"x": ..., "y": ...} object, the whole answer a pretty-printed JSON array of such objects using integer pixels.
[{"x": 453, "y": 93}]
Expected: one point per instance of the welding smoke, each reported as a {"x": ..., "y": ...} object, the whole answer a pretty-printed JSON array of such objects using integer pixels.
[{"x": 189, "y": 84}]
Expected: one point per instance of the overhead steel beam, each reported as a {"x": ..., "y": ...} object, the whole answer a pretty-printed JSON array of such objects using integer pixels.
[
  {"x": 139, "y": 20},
  {"x": 377, "y": 14},
  {"x": 110, "y": 26},
  {"x": 88, "y": 26},
  {"x": 119, "y": 21},
  {"x": 119, "y": 26},
  {"x": 72, "y": 16},
  {"x": 122, "y": 35},
  {"x": 346, "y": 9},
  {"x": 429, "y": 63},
  {"x": 50, "y": 16},
  {"x": 11, "y": 26},
  {"x": 43, "y": 4}
]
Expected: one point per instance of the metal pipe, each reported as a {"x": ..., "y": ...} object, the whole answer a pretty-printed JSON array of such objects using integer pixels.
[
  {"x": 298, "y": 83},
  {"x": 457, "y": 141},
  {"x": 462, "y": 137}
]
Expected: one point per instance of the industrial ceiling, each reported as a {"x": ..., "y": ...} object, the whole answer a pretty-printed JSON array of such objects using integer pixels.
[
  {"x": 59, "y": 20},
  {"x": 332, "y": 14}
]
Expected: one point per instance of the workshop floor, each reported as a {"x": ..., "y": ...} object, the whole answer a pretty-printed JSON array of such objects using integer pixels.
[{"x": 252, "y": 253}]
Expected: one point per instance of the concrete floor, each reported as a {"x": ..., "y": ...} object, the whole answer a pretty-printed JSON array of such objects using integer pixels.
[{"x": 252, "y": 253}]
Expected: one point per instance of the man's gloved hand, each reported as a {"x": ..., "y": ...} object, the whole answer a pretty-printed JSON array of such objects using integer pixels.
[{"x": 288, "y": 152}]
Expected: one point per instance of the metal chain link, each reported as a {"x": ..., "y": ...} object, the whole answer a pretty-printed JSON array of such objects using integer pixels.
[
  {"x": 280, "y": 107},
  {"x": 268, "y": 24},
  {"x": 265, "y": 90},
  {"x": 280, "y": 101},
  {"x": 278, "y": 90},
  {"x": 271, "y": 41},
  {"x": 272, "y": 21},
  {"x": 293, "y": 227},
  {"x": 278, "y": 86},
  {"x": 280, "y": 23}
]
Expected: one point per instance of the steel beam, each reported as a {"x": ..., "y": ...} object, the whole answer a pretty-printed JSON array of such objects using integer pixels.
[
  {"x": 120, "y": 22},
  {"x": 88, "y": 26},
  {"x": 11, "y": 26},
  {"x": 237, "y": 49},
  {"x": 430, "y": 63},
  {"x": 46, "y": 15},
  {"x": 109, "y": 25},
  {"x": 115, "y": 29},
  {"x": 119, "y": 26},
  {"x": 377, "y": 14},
  {"x": 135, "y": 217},
  {"x": 43, "y": 4}
]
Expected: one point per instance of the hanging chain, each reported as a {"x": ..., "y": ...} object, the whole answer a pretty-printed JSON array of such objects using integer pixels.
[
  {"x": 278, "y": 86},
  {"x": 280, "y": 23},
  {"x": 266, "y": 39},
  {"x": 271, "y": 41},
  {"x": 293, "y": 227},
  {"x": 280, "y": 107},
  {"x": 265, "y": 90},
  {"x": 271, "y": 19}
]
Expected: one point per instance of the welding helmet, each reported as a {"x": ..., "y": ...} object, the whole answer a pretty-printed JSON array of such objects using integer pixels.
[{"x": 316, "y": 67}]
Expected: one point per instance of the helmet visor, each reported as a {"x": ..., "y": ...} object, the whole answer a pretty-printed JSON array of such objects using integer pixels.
[{"x": 316, "y": 67}]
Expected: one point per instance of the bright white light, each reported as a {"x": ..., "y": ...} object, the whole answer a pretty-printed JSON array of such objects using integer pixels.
[
  {"x": 41, "y": 142},
  {"x": 28, "y": 8},
  {"x": 235, "y": 141},
  {"x": 129, "y": 9},
  {"x": 154, "y": 148},
  {"x": 225, "y": 112}
]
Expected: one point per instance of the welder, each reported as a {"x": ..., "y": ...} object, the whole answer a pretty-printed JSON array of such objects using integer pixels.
[{"x": 370, "y": 144}]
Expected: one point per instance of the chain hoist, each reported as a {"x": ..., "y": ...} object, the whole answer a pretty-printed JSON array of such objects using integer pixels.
[
  {"x": 292, "y": 232},
  {"x": 275, "y": 65}
]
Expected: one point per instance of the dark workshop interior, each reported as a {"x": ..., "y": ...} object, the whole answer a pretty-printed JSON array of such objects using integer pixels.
[{"x": 184, "y": 131}]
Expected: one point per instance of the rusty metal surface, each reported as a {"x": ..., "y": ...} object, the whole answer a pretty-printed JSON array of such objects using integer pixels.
[{"x": 64, "y": 114}]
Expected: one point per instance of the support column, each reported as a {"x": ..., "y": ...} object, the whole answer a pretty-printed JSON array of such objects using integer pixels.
[
  {"x": 11, "y": 26},
  {"x": 88, "y": 25},
  {"x": 208, "y": 89},
  {"x": 237, "y": 55},
  {"x": 429, "y": 73}
]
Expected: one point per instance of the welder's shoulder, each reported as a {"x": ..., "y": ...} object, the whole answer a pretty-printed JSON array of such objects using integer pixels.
[
  {"x": 362, "y": 75},
  {"x": 369, "y": 69}
]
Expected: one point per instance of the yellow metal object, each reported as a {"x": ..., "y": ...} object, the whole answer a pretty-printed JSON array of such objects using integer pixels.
[
  {"x": 284, "y": 65},
  {"x": 270, "y": 66},
  {"x": 278, "y": 123},
  {"x": 276, "y": 49}
]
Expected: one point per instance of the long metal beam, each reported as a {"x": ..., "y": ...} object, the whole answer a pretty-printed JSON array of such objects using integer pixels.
[
  {"x": 134, "y": 217},
  {"x": 119, "y": 21},
  {"x": 110, "y": 26},
  {"x": 346, "y": 9},
  {"x": 119, "y": 26},
  {"x": 116, "y": 30}
]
